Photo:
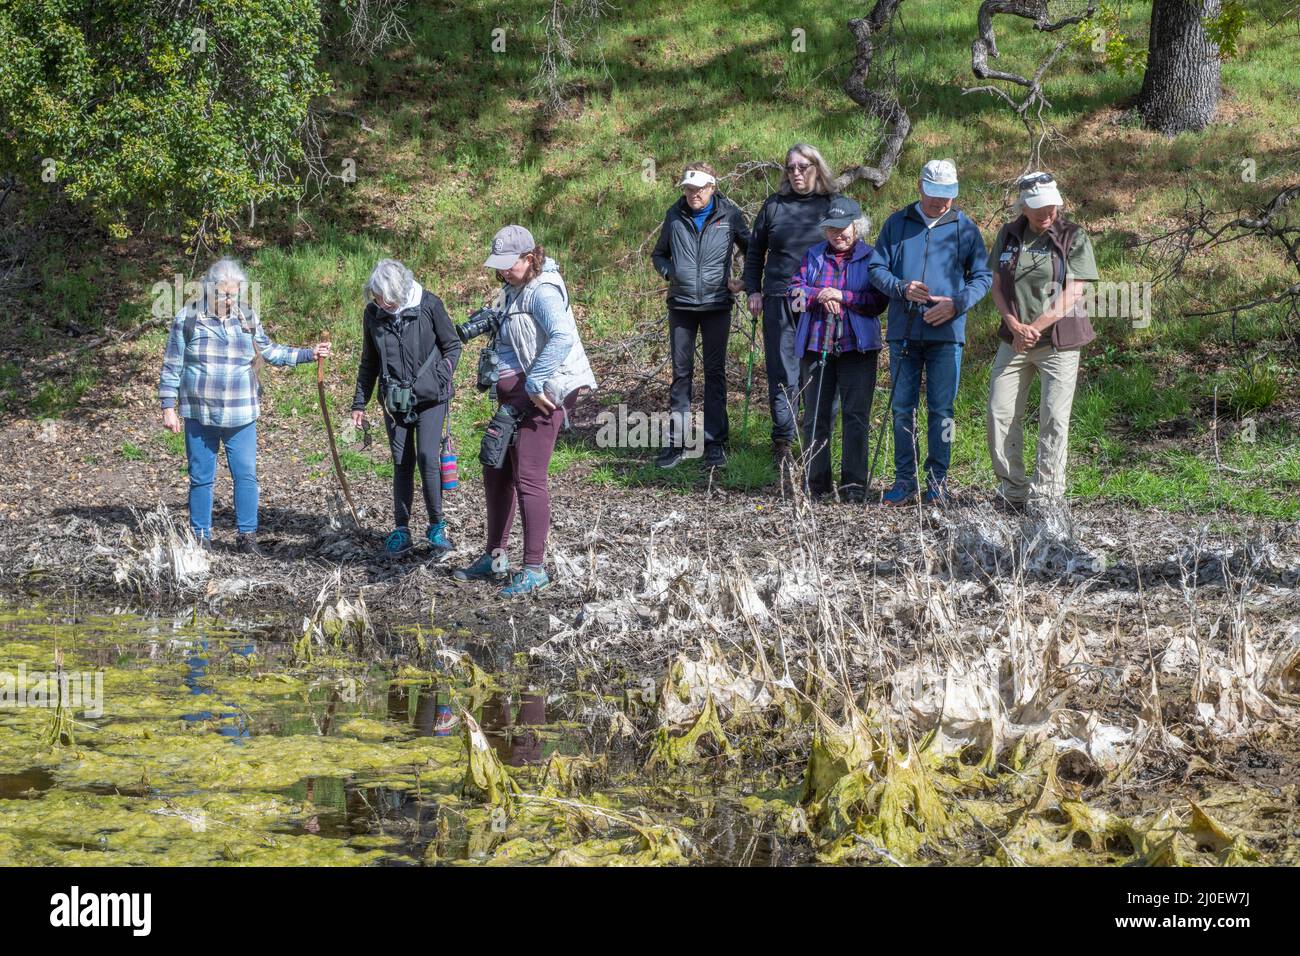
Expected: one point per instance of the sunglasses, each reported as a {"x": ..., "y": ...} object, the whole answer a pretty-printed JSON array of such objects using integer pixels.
[
  {"x": 1035, "y": 180},
  {"x": 799, "y": 168}
]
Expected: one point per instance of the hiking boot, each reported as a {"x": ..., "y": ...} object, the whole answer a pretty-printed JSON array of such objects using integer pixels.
[
  {"x": 715, "y": 456},
  {"x": 937, "y": 494},
  {"x": 205, "y": 542},
  {"x": 669, "y": 458},
  {"x": 902, "y": 493},
  {"x": 784, "y": 462},
  {"x": 484, "y": 569},
  {"x": 1009, "y": 505},
  {"x": 246, "y": 543},
  {"x": 525, "y": 582},
  {"x": 439, "y": 543},
  {"x": 852, "y": 494},
  {"x": 397, "y": 543}
]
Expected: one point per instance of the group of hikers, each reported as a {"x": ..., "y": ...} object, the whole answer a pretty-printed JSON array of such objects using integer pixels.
[{"x": 810, "y": 273}]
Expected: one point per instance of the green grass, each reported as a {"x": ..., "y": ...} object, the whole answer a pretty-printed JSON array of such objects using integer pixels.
[
  {"x": 461, "y": 148},
  {"x": 131, "y": 452}
]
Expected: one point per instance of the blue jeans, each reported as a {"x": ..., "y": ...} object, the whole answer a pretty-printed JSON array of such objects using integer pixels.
[
  {"x": 202, "y": 443},
  {"x": 942, "y": 364}
]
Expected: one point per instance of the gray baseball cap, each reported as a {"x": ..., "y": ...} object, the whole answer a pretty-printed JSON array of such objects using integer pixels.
[{"x": 508, "y": 245}]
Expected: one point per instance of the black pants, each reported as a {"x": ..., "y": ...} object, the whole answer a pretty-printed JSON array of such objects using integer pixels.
[
  {"x": 419, "y": 443},
  {"x": 782, "y": 366},
  {"x": 714, "y": 327},
  {"x": 852, "y": 377}
]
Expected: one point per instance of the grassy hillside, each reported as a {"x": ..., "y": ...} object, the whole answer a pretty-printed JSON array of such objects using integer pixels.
[{"x": 457, "y": 146}]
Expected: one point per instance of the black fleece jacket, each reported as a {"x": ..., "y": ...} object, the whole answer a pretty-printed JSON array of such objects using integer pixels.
[{"x": 394, "y": 347}]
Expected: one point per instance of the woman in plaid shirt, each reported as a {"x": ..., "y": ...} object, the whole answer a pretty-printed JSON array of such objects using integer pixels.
[
  {"x": 209, "y": 379},
  {"x": 837, "y": 340}
]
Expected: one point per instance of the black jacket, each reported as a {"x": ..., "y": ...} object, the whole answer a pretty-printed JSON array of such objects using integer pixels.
[
  {"x": 395, "y": 348},
  {"x": 697, "y": 263},
  {"x": 784, "y": 229}
]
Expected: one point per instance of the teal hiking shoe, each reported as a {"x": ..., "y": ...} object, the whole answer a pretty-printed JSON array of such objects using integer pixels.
[
  {"x": 486, "y": 568},
  {"x": 439, "y": 543},
  {"x": 399, "y": 542},
  {"x": 525, "y": 582}
]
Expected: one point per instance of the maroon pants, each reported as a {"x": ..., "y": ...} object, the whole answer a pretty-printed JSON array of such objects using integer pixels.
[{"x": 523, "y": 476}]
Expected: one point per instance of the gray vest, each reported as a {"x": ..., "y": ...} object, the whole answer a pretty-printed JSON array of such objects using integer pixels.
[{"x": 528, "y": 338}]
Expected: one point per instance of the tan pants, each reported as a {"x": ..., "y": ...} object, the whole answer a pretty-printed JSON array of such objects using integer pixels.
[{"x": 1009, "y": 384}]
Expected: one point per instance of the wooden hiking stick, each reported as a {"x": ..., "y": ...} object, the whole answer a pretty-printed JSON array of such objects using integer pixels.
[{"x": 329, "y": 431}]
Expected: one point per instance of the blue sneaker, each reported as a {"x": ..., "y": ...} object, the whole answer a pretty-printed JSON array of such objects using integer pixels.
[
  {"x": 399, "y": 542},
  {"x": 439, "y": 543},
  {"x": 902, "y": 493},
  {"x": 937, "y": 494},
  {"x": 484, "y": 569},
  {"x": 525, "y": 582}
]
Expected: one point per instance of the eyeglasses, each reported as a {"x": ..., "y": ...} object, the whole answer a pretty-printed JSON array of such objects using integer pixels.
[
  {"x": 798, "y": 168},
  {"x": 1035, "y": 180}
]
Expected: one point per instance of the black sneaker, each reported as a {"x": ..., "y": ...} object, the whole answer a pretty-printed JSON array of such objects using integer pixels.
[
  {"x": 247, "y": 544},
  {"x": 852, "y": 494},
  {"x": 205, "y": 543},
  {"x": 715, "y": 456},
  {"x": 669, "y": 458}
]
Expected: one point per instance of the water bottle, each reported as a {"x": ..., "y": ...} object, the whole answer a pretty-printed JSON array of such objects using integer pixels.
[{"x": 447, "y": 460}]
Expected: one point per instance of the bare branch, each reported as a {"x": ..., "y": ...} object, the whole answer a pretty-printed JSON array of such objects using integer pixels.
[
  {"x": 985, "y": 47},
  {"x": 880, "y": 100}
]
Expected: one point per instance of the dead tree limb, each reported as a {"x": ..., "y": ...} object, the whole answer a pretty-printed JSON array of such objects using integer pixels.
[
  {"x": 1201, "y": 232},
  {"x": 985, "y": 47},
  {"x": 879, "y": 100}
]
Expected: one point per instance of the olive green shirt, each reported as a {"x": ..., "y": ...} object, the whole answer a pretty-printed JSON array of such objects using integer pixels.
[{"x": 1034, "y": 270}]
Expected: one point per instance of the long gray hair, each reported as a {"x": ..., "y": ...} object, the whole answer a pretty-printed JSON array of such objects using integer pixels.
[{"x": 825, "y": 178}]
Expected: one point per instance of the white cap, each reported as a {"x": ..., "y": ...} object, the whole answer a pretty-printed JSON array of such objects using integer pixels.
[
  {"x": 1038, "y": 190},
  {"x": 696, "y": 177},
  {"x": 939, "y": 178}
]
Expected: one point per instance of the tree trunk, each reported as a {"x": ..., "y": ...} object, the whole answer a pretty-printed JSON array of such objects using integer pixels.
[{"x": 1181, "y": 88}]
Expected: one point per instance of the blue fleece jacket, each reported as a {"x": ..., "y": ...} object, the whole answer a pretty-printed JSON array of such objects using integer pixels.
[{"x": 949, "y": 257}]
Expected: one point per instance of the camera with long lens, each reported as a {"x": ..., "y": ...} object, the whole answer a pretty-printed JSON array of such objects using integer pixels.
[{"x": 483, "y": 321}]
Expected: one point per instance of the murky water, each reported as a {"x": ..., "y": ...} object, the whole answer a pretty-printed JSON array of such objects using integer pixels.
[
  {"x": 215, "y": 746},
  {"x": 198, "y": 742}
]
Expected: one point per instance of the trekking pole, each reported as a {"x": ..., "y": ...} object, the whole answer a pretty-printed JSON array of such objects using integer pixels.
[
  {"x": 817, "y": 406},
  {"x": 749, "y": 376},
  {"x": 880, "y": 432}
]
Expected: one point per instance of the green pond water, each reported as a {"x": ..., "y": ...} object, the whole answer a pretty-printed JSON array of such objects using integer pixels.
[
  {"x": 221, "y": 742},
  {"x": 215, "y": 746}
]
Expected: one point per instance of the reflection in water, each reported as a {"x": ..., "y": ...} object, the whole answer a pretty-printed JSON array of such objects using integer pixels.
[
  {"x": 196, "y": 674},
  {"x": 511, "y": 733},
  {"x": 36, "y": 779},
  {"x": 433, "y": 714}
]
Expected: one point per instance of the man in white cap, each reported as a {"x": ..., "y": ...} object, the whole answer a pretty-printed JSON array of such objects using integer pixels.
[{"x": 931, "y": 261}]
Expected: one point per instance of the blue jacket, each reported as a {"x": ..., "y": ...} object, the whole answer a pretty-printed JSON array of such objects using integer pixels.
[
  {"x": 862, "y": 303},
  {"x": 949, "y": 258}
]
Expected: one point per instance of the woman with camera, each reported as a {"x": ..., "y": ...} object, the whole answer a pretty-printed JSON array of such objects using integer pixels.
[
  {"x": 410, "y": 347},
  {"x": 541, "y": 366}
]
